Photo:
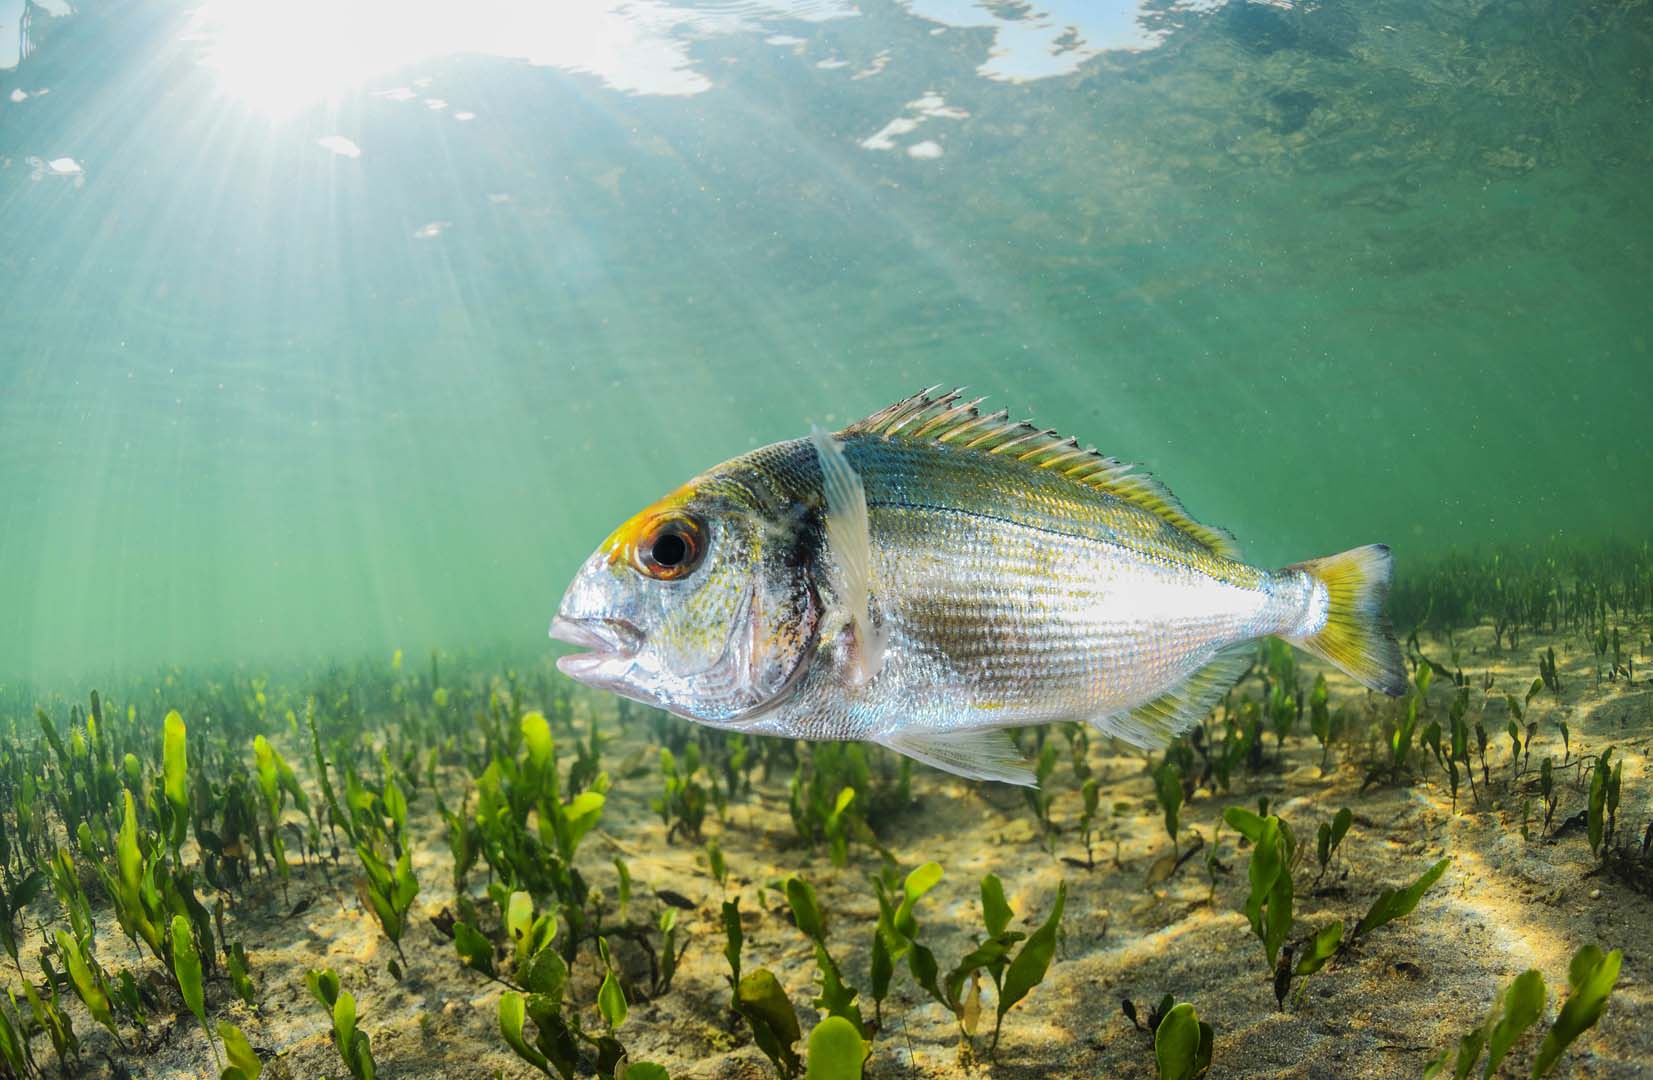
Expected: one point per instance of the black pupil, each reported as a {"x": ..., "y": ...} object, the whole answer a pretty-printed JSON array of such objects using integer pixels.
[{"x": 670, "y": 549}]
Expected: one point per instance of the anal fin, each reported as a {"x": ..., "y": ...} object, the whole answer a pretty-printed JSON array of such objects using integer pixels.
[
  {"x": 975, "y": 755},
  {"x": 1154, "y": 723}
]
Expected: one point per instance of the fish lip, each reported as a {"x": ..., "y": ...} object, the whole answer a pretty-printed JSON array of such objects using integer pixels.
[{"x": 605, "y": 639}]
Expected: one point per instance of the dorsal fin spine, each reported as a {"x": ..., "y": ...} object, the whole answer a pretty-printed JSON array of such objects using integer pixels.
[
  {"x": 1072, "y": 452},
  {"x": 1032, "y": 433},
  {"x": 1043, "y": 452},
  {"x": 913, "y": 414},
  {"x": 944, "y": 419},
  {"x": 963, "y": 429},
  {"x": 999, "y": 430},
  {"x": 959, "y": 430},
  {"x": 1082, "y": 470}
]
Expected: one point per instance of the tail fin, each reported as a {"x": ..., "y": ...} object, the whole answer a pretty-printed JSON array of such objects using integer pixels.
[{"x": 1356, "y": 635}]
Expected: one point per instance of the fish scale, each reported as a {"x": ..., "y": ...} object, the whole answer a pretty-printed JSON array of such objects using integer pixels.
[
  {"x": 1023, "y": 582},
  {"x": 1017, "y": 602},
  {"x": 932, "y": 575}
]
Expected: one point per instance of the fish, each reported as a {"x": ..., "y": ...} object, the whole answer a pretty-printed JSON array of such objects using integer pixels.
[{"x": 933, "y": 575}]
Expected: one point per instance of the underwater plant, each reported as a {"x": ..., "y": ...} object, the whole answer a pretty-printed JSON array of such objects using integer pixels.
[
  {"x": 186, "y": 967},
  {"x": 1268, "y": 903},
  {"x": 462, "y": 842},
  {"x": 1031, "y": 962},
  {"x": 1392, "y": 904},
  {"x": 761, "y": 1002},
  {"x": 1090, "y": 794},
  {"x": 1182, "y": 1042},
  {"x": 895, "y": 937},
  {"x": 1396, "y": 766},
  {"x": 353, "y": 1045},
  {"x": 538, "y": 993},
  {"x": 1039, "y": 796},
  {"x": 837, "y": 998},
  {"x": 1013, "y": 976},
  {"x": 175, "y": 763},
  {"x": 831, "y": 794},
  {"x": 527, "y": 832},
  {"x": 1631, "y": 861},
  {"x": 244, "y": 1063},
  {"x": 1590, "y": 977},
  {"x": 716, "y": 865},
  {"x": 390, "y": 887},
  {"x": 277, "y": 781},
  {"x": 836, "y": 1051},
  {"x": 88, "y": 980},
  {"x": 1328, "y": 837},
  {"x": 554, "y": 1051},
  {"x": 1547, "y": 673},
  {"x": 1320, "y": 718},
  {"x": 1603, "y": 805},
  {"x": 14, "y": 1044},
  {"x": 50, "y": 1017},
  {"x": 1168, "y": 790},
  {"x": 611, "y": 999},
  {"x": 757, "y": 997},
  {"x": 235, "y": 964},
  {"x": 682, "y": 801}
]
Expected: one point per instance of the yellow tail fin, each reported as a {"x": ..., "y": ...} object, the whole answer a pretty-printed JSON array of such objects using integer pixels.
[{"x": 1356, "y": 635}]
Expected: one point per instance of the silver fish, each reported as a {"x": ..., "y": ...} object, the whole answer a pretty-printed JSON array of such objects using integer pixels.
[{"x": 932, "y": 575}]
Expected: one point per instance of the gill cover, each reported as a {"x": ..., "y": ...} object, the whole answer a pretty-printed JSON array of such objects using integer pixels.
[{"x": 709, "y": 618}]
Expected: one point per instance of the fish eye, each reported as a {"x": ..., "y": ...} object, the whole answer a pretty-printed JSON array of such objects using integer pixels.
[{"x": 671, "y": 547}]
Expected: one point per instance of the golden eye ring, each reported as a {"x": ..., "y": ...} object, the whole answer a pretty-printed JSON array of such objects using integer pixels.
[{"x": 670, "y": 547}]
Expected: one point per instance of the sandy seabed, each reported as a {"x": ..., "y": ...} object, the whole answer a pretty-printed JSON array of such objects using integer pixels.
[{"x": 1382, "y": 1010}]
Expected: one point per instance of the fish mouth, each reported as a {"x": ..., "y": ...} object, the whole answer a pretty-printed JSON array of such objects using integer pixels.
[{"x": 607, "y": 641}]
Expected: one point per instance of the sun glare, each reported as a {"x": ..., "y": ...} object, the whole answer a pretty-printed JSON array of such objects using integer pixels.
[{"x": 281, "y": 57}]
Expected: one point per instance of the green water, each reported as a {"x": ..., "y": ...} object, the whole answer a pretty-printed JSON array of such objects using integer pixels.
[{"x": 1337, "y": 272}]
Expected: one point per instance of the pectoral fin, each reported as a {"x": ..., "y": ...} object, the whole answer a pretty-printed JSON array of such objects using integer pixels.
[
  {"x": 849, "y": 538},
  {"x": 975, "y": 755}
]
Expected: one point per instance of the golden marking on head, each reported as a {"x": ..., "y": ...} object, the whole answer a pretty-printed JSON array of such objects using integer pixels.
[{"x": 623, "y": 543}]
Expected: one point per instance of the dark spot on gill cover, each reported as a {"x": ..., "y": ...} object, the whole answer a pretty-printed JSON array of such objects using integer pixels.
[{"x": 807, "y": 527}]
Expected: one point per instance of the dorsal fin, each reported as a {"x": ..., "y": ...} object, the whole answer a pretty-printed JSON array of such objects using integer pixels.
[{"x": 944, "y": 418}]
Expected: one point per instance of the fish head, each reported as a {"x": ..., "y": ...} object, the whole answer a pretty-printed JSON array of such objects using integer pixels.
[{"x": 696, "y": 605}]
